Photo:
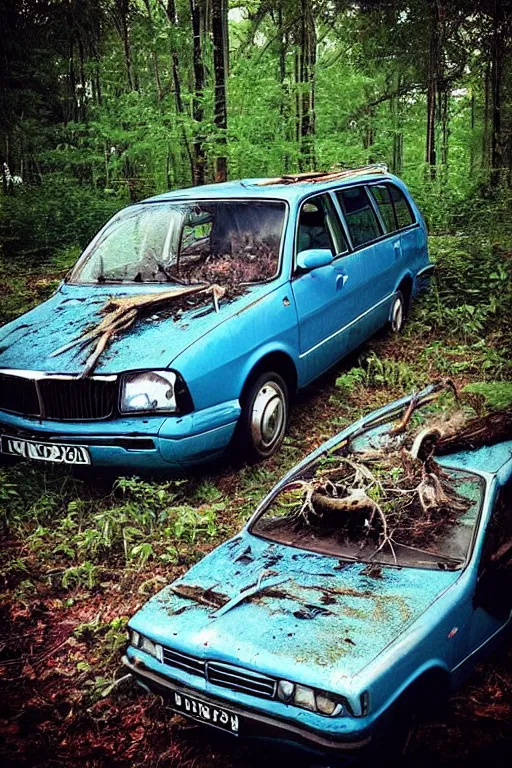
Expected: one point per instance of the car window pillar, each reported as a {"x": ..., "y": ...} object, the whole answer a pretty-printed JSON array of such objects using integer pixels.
[
  {"x": 341, "y": 219},
  {"x": 376, "y": 210}
]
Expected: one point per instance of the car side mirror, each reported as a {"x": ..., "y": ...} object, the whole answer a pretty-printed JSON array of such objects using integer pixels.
[{"x": 313, "y": 258}]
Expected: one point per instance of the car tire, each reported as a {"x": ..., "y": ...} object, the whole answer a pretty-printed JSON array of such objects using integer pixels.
[
  {"x": 397, "y": 314},
  {"x": 390, "y": 744},
  {"x": 264, "y": 418}
]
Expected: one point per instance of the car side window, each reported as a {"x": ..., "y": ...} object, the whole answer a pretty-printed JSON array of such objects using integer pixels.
[
  {"x": 362, "y": 222},
  {"x": 319, "y": 226},
  {"x": 404, "y": 214},
  {"x": 382, "y": 196}
]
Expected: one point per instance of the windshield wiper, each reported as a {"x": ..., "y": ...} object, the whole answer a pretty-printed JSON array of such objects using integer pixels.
[{"x": 437, "y": 557}]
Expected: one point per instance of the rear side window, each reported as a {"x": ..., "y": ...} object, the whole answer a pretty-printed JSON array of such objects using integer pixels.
[
  {"x": 360, "y": 217},
  {"x": 403, "y": 210},
  {"x": 319, "y": 226},
  {"x": 382, "y": 197}
]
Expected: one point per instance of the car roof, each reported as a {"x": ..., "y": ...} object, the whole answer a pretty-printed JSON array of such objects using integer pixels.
[
  {"x": 288, "y": 188},
  {"x": 492, "y": 459}
]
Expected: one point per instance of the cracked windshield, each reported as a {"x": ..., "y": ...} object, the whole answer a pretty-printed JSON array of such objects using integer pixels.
[{"x": 196, "y": 242}]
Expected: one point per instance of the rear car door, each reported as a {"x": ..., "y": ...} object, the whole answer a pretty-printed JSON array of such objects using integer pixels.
[
  {"x": 393, "y": 254},
  {"x": 320, "y": 293},
  {"x": 366, "y": 270},
  {"x": 399, "y": 219}
]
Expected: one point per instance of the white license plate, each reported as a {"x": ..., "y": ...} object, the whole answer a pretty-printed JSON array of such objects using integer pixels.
[
  {"x": 54, "y": 452},
  {"x": 204, "y": 713}
]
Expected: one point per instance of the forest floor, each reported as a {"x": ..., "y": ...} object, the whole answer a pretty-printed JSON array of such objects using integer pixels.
[{"x": 80, "y": 555}]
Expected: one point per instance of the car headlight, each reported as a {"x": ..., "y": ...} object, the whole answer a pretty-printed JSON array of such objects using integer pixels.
[
  {"x": 145, "y": 644},
  {"x": 154, "y": 392},
  {"x": 309, "y": 698}
]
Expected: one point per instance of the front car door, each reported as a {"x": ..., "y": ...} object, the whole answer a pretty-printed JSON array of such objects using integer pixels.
[{"x": 320, "y": 293}]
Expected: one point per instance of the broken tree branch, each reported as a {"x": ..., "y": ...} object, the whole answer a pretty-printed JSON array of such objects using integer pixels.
[{"x": 120, "y": 313}]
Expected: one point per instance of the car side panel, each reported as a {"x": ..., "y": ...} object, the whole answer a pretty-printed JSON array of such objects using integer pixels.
[
  {"x": 216, "y": 367},
  {"x": 430, "y": 643},
  {"x": 362, "y": 307}
]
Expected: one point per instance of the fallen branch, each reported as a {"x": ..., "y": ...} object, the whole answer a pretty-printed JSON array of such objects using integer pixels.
[{"x": 121, "y": 313}]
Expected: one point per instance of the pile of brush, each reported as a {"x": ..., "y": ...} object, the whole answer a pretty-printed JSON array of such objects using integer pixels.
[{"x": 397, "y": 494}]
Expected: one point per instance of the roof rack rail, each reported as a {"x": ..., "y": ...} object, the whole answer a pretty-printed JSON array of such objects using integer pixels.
[{"x": 318, "y": 176}]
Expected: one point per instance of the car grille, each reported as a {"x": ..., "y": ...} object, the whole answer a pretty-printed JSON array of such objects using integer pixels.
[
  {"x": 58, "y": 398},
  {"x": 183, "y": 661},
  {"x": 240, "y": 680},
  {"x": 18, "y": 395},
  {"x": 224, "y": 675}
]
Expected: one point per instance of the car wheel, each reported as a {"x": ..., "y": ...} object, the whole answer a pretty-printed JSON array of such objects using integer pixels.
[
  {"x": 397, "y": 319},
  {"x": 264, "y": 416},
  {"x": 390, "y": 745}
]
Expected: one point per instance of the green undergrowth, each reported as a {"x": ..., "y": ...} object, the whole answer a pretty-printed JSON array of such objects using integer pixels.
[{"x": 92, "y": 550}]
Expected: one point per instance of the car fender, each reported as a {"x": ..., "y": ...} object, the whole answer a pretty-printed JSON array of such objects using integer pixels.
[
  {"x": 405, "y": 276},
  {"x": 216, "y": 366}
]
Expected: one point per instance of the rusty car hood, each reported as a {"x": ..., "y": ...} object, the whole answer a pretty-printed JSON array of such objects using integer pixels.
[
  {"x": 154, "y": 341},
  {"x": 286, "y": 612}
]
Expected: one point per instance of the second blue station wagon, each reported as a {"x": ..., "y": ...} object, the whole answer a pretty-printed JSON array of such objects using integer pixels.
[{"x": 192, "y": 318}]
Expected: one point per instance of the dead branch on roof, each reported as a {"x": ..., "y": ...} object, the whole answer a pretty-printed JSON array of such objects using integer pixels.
[
  {"x": 323, "y": 176},
  {"x": 485, "y": 431}
]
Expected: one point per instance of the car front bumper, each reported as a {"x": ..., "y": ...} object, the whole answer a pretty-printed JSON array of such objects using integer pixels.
[
  {"x": 137, "y": 442},
  {"x": 255, "y": 724}
]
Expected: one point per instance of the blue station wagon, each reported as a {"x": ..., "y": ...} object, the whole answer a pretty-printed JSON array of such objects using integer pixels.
[
  {"x": 192, "y": 318},
  {"x": 308, "y": 629}
]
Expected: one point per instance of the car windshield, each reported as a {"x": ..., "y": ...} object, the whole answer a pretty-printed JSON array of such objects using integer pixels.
[
  {"x": 308, "y": 514},
  {"x": 187, "y": 242}
]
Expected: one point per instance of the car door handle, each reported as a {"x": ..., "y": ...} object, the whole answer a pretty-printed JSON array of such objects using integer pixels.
[
  {"x": 398, "y": 248},
  {"x": 340, "y": 281}
]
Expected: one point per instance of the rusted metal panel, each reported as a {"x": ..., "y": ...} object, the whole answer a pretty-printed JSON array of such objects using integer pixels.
[{"x": 322, "y": 623}]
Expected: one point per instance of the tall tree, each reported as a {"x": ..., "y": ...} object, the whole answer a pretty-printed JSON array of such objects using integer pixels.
[
  {"x": 306, "y": 85},
  {"x": 197, "y": 13},
  {"x": 220, "y": 64},
  {"x": 172, "y": 15}
]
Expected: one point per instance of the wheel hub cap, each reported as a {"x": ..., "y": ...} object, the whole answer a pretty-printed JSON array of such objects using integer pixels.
[
  {"x": 268, "y": 415},
  {"x": 397, "y": 315}
]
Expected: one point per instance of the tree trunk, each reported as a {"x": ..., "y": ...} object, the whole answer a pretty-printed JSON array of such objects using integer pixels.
[
  {"x": 199, "y": 157},
  {"x": 472, "y": 147},
  {"x": 172, "y": 15},
  {"x": 154, "y": 54},
  {"x": 487, "y": 107},
  {"x": 398, "y": 136},
  {"x": 496, "y": 76},
  {"x": 307, "y": 63},
  {"x": 445, "y": 126},
  {"x": 432, "y": 92},
  {"x": 121, "y": 12},
  {"x": 220, "y": 55},
  {"x": 284, "y": 109}
]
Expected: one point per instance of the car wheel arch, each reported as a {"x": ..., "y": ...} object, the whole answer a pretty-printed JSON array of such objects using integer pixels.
[
  {"x": 428, "y": 687},
  {"x": 277, "y": 361},
  {"x": 405, "y": 287}
]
